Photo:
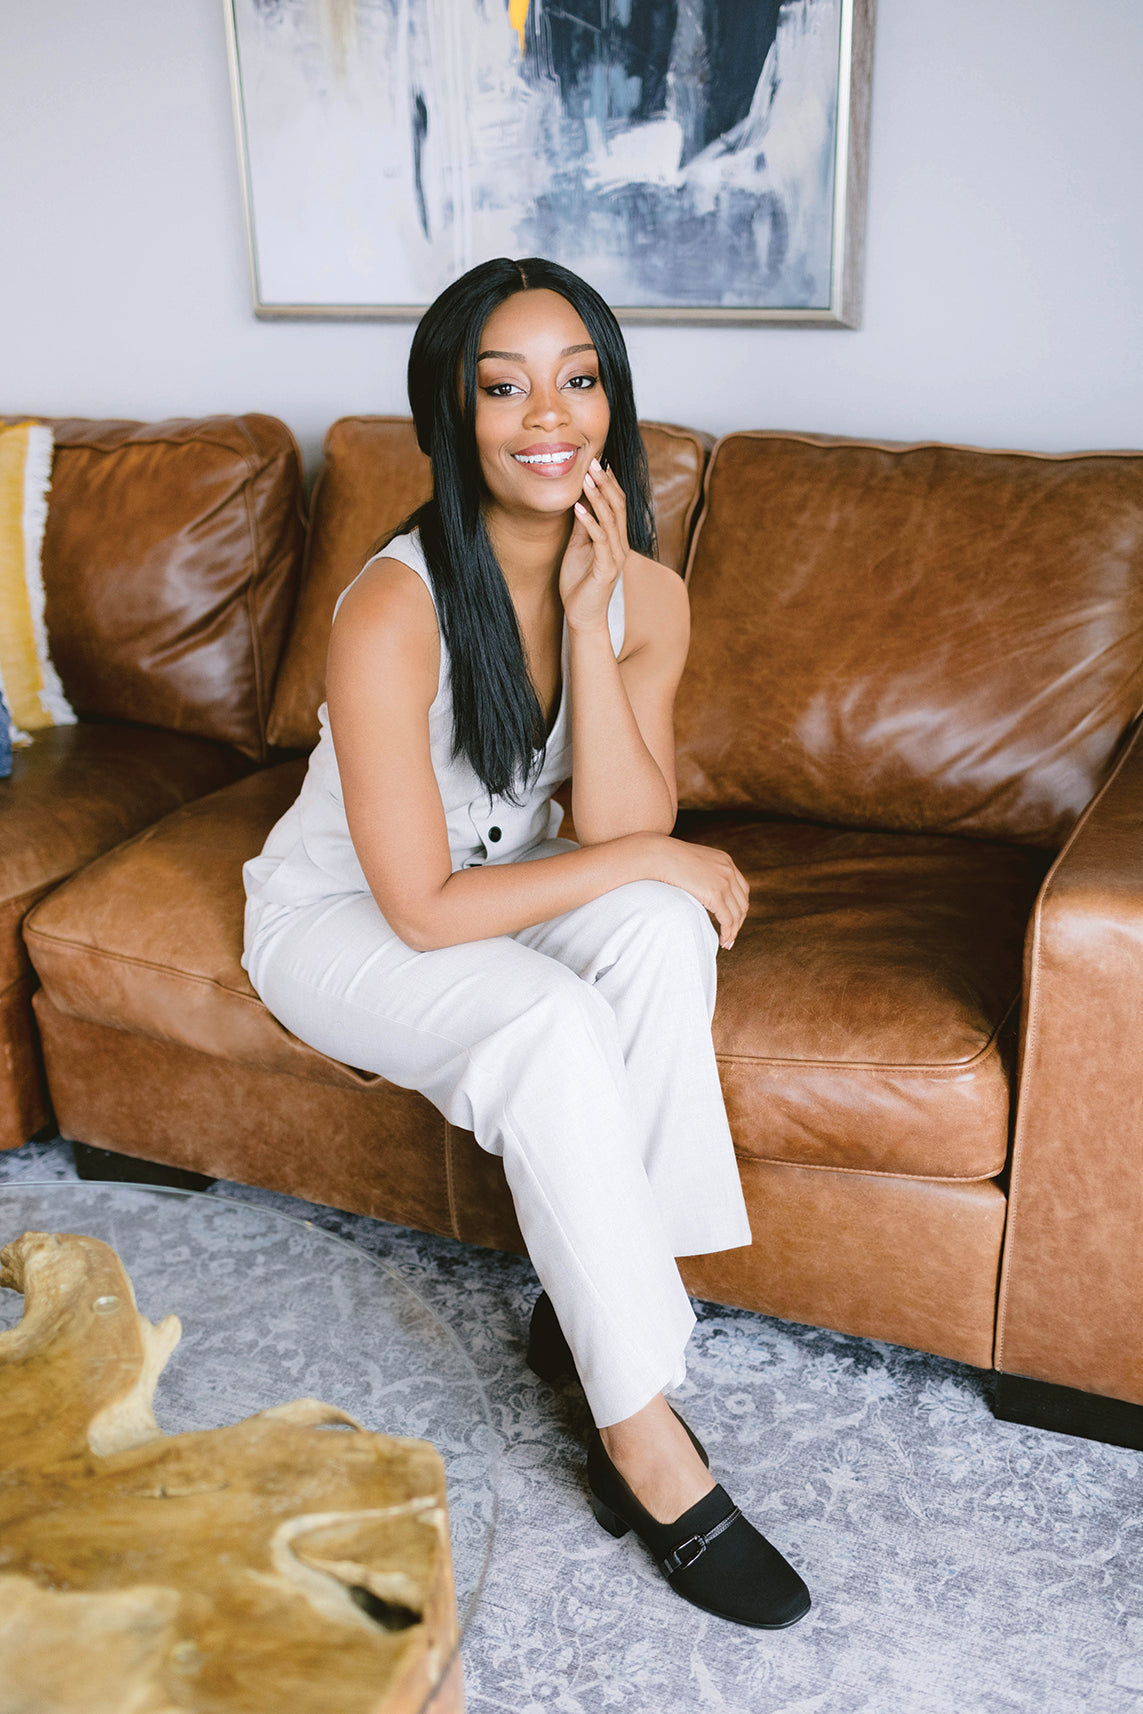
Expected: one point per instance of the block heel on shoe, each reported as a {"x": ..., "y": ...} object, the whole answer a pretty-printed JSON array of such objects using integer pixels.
[
  {"x": 549, "y": 1356},
  {"x": 610, "y": 1520},
  {"x": 711, "y": 1555}
]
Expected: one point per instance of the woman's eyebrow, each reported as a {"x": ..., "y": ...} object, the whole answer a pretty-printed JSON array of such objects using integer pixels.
[{"x": 518, "y": 356}]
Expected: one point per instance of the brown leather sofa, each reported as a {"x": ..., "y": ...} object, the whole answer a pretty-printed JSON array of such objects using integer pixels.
[{"x": 910, "y": 713}]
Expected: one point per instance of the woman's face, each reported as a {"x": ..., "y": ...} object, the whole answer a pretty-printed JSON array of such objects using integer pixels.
[{"x": 541, "y": 412}]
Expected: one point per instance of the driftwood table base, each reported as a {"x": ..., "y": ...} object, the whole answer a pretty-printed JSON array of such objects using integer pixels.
[{"x": 293, "y": 1561}]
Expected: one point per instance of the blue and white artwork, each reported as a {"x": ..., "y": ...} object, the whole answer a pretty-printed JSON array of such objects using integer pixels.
[{"x": 680, "y": 154}]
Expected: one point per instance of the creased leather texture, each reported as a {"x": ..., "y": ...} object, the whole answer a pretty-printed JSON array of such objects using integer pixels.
[
  {"x": 925, "y": 638},
  {"x": 859, "y": 1012},
  {"x": 374, "y": 475},
  {"x": 75, "y": 792},
  {"x": 171, "y": 561},
  {"x": 1071, "y": 1304},
  {"x": 377, "y": 1154}
]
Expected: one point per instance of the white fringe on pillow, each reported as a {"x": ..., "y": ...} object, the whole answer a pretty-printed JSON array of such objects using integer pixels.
[{"x": 37, "y": 484}]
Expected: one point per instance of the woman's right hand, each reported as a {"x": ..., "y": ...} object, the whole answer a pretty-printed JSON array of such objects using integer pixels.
[{"x": 710, "y": 876}]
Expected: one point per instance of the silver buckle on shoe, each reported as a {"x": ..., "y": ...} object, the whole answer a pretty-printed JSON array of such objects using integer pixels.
[
  {"x": 696, "y": 1545},
  {"x": 685, "y": 1554}
]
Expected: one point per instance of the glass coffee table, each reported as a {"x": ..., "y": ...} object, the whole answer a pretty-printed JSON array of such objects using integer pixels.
[{"x": 274, "y": 1308}]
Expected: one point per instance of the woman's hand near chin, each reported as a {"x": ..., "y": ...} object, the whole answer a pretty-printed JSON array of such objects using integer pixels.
[
  {"x": 596, "y": 553},
  {"x": 623, "y": 776}
]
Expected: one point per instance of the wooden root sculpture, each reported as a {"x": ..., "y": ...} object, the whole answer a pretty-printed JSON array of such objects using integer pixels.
[{"x": 292, "y": 1562}]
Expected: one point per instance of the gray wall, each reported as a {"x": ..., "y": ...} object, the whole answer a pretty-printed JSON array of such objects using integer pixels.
[{"x": 1004, "y": 280}]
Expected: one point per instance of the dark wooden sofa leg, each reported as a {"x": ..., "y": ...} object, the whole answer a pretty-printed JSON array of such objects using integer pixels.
[
  {"x": 105, "y": 1164},
  {"x": 1066, "y": 1410}
]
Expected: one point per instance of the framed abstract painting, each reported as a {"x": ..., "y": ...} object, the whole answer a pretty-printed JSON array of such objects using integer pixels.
[{"x": 696, "y": 160}]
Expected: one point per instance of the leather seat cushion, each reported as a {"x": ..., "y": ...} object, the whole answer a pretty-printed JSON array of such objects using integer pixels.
[
  {"x": 860, "y": 1014},
  {"x": 77, "y": 791},
  {"x": 374, "y": 475},
  {"x": 865, "y": 1012},
  {"x": 149, "y": 938}
]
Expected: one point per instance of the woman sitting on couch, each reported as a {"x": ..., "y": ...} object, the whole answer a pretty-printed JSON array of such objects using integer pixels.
[{"x": 415, "y": 913}]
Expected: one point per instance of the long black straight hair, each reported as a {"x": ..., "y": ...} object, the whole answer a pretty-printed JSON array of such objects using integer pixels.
[{"x": 498, "y": 723}]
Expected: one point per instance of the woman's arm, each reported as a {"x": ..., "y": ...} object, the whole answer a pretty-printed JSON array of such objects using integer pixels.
[
  {"x": 623, "y": 741},
  {"x": 384, "y": 662},
  {"x": 623, "y": 745}
]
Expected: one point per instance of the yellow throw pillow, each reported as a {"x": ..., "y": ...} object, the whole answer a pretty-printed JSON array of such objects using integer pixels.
[{"x": 29, "y": 682}]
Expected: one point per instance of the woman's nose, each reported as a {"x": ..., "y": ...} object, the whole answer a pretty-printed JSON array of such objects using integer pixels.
[{"x": 545, "y": 405}]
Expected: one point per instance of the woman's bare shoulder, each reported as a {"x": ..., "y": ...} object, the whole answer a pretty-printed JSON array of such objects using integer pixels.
[
  {"x": 388, "y": 590},
  {"x": 387, "y": 617}
]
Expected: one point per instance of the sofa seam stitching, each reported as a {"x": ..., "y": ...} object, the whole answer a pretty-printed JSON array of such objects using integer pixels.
[
  {"x": 871, "y": 1171},
  {"x": 875, "y": 1066},
  {"x": 35, "y": 894},
  {"x": 914, "y": 1069},
  {"x": 39, "y": 934},
  {"x": 899, "y": 448}
]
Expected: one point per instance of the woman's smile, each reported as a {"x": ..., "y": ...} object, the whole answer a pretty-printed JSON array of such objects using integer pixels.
[{"x": 547, "y": 460}]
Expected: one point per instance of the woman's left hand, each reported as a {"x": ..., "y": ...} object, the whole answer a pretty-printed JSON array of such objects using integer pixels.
[{"x": 597, "y": 552}]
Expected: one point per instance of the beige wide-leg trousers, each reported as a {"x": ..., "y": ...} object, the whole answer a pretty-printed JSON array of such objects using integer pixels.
[{"x": 580, "y": 1052}]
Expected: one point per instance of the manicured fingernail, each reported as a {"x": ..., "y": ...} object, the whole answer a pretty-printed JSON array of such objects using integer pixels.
[
  {"x": 596, "y": 465},
  {"x": 582, "y": 510},
  {"x": 588, "y": 481}
]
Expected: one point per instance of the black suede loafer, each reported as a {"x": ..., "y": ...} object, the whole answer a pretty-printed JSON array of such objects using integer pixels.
[
  {"x": 549, "y": 1356},
  {"x": 711, "y": 1555}
]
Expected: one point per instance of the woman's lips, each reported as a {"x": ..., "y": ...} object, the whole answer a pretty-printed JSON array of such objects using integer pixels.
[{"x": 551, "y": 460}]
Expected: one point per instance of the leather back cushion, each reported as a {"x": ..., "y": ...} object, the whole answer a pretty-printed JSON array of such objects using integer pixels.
[
  {"x": 171, "y": 561},
  {"x": 924, "y": 638},
  {"x": 375, "y": 475}
]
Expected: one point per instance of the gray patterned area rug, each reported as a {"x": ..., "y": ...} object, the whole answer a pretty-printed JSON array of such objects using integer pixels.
[{"x": 958, "y": 1565}]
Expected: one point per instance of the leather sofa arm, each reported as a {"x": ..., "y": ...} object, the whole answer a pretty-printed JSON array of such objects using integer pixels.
[{"x": 1071, "y": 1294}]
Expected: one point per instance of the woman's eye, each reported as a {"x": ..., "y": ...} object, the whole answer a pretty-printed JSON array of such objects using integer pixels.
[
  {"x": 581, "y": 383},
  {"x": 501, "y": 389}
]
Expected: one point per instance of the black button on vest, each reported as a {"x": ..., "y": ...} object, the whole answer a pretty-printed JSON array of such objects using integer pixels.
[{"x": 494, "y": 834}]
